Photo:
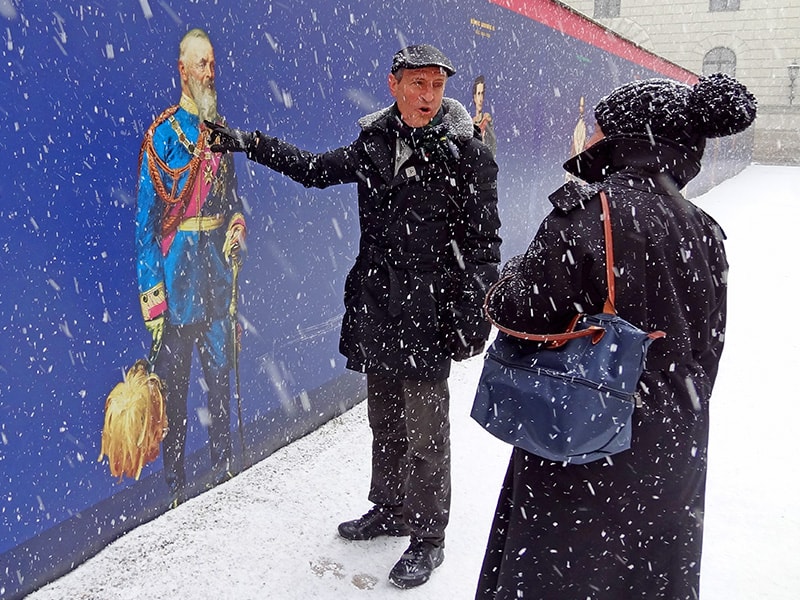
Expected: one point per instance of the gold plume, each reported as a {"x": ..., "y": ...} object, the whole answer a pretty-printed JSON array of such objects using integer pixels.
[{"x": 135, "y": 422}]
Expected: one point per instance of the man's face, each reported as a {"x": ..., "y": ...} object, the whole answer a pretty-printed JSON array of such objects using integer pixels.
[
  {"x": 479, "y": 95},
  {"x": 197, "y": 70},
  {"x": 419, "y": 94},
  {"x": 197, "y": 63}
]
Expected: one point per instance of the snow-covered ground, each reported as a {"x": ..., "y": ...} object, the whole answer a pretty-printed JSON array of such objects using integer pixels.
[{"x": 271, "y": 531}]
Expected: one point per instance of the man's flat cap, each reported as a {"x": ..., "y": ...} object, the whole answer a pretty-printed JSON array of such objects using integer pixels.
[{"x": 422, "y": 55}]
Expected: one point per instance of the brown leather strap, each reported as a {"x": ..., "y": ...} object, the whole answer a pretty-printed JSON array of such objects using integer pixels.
[
  {"x": 608, "y": 307},
  {"x": 558, "y": 339},
  {"x": 555, "y": 339}
]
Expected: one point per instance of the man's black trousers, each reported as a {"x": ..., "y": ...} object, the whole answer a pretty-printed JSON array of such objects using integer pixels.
[{"x": 411, "y": 451}]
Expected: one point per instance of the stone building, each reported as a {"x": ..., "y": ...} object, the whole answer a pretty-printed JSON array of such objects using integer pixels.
[{"x": 758, "y": 41}]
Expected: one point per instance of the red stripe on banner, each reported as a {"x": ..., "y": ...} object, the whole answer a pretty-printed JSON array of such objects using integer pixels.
[{"x": 571, "y": 23}]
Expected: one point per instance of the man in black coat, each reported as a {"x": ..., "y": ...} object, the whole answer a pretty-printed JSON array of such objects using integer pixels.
[
  {"x": 631, "y": 526},
  {"x": 427, "y": 198}
]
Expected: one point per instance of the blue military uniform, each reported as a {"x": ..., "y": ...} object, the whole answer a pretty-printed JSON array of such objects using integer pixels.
[{"x": 187, "y": 207}]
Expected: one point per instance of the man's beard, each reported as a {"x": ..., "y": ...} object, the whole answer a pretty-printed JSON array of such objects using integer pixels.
[{"x": 205, "y": 97}]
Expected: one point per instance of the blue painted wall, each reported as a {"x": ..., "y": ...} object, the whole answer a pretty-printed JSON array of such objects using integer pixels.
[{"x": 79, "y": 86}]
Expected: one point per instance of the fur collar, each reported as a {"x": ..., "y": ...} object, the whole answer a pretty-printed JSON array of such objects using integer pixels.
[{"x": 456, "y": 120}]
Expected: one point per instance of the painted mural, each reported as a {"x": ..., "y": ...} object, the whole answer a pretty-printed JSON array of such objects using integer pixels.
[{"x": 108, "y": 188}]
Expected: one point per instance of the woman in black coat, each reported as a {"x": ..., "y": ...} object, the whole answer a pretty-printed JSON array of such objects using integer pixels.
[{"x": 629, "y": 526}]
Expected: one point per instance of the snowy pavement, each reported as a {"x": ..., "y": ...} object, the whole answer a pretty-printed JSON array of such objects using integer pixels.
[{"x": 271, "y": 531}]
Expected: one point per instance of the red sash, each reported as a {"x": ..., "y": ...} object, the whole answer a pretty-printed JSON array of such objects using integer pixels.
[{"x": 209, "y": 164}]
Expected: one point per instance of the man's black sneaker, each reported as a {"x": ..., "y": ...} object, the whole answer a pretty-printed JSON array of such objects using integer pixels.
[
  {"x": 379, "y": 520},
  {"x": 416, "y": 565}
]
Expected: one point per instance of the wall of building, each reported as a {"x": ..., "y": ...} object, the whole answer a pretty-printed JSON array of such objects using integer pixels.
[{"x": 764, "y": 34}]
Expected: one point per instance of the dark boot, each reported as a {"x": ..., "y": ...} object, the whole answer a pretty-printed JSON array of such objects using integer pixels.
[
  {"x": 416, "y": 565},
  {"x": 177, "y": 495},
  {"x": 176, "y": 482},
  {"x": 220, "y": 473},
  {"x": 380, "y": 520}
]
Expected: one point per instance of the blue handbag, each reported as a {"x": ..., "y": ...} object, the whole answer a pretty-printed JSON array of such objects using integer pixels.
[{"x": 566, "y": 397}]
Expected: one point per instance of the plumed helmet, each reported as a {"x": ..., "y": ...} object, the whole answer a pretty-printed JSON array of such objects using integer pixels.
[
  {"x": 716, "y": 106},
  {"x": 422, "y": 55}
]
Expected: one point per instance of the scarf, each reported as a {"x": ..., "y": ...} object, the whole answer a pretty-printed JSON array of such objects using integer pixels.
[{"x": 429, "y": 141}]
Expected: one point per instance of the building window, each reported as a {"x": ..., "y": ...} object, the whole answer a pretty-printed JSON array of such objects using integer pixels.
[
  {"x": 606, "y": 8},
  {"x": 720, "y": 5},
  {"x": 720, "y": 60}
]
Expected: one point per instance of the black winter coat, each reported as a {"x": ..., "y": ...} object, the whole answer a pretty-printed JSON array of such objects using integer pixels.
[
  {"x": 429, "y": 242},
  {"x": 630, "y": 527}
]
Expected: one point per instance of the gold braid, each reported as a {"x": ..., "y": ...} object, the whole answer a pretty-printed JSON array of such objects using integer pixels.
[{"x": 170, "y": 223}]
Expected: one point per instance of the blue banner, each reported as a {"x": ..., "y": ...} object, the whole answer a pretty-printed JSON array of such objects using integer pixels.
[{"x": 81, "y": 85}]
